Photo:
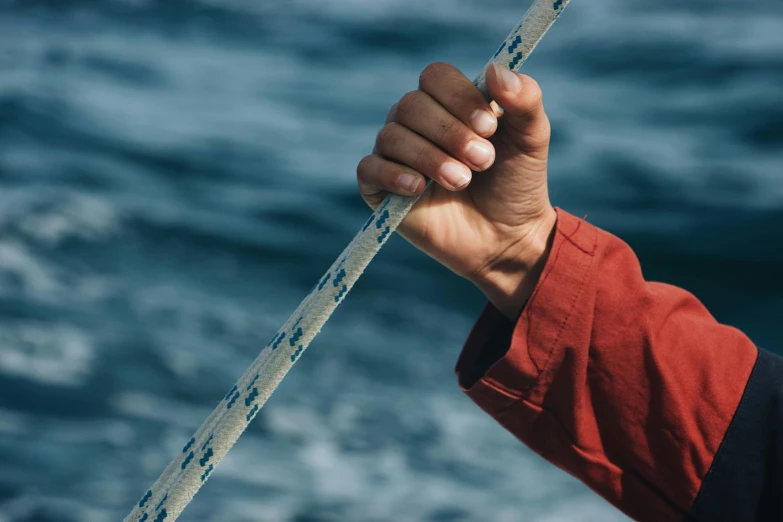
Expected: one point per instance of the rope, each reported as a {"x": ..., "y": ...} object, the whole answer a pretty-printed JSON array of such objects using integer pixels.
[{"x": 183, "y": 477}]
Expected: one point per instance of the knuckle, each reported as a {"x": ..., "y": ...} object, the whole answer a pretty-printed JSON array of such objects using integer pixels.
[
  {"x": 433, "y": 71},
  {"x": 392, "y": 114},
  {"x": 534, "y": 96},
  {"x": 364, "y": 166},
  {"x": 408, "y": 104},
  {"x": 387, "y": 137}
]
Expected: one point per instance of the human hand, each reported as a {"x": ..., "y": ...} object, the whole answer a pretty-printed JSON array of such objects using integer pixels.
[{"x": 487, "y": 217}]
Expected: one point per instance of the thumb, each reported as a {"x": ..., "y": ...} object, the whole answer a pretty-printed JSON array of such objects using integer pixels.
[{"x": 525, "y": 125}]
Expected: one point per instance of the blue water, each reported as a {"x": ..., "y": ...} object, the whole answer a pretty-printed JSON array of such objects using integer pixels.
[{"x": 174, "y": 177}]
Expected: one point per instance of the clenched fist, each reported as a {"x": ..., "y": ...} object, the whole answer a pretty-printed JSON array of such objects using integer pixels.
[{"x": 487, "y": 217}]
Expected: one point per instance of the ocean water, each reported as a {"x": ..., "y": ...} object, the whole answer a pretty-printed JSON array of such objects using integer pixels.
[{"x": 175, "y": 175}]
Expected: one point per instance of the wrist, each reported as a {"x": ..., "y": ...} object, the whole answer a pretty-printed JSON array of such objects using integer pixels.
[{"x": 509, "y": 281}]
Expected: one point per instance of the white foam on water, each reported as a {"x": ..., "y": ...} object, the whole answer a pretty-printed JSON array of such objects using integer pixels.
[
  {"x": 56, "y": 354},
  {"x": 36, "y": 275},
  {"x": 72, "y": 216}
]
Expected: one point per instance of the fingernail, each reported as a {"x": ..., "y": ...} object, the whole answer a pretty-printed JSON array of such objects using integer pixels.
[
  {"x": 478, "y": 154},
  {"x": 455, "y": 174},
  {"x": 483, "y": 122},
  {"x": 508, "y": 79},
  {"x": 408, "y": 182}
]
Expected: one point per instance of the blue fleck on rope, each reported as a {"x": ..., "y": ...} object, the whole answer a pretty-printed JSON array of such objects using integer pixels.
[{"x": 183, "y": 477}]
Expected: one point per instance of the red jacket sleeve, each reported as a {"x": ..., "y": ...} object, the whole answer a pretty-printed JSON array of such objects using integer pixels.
[{"x": 626, "y": 384}]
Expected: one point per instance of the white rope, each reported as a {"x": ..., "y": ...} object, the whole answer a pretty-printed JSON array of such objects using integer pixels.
[{"x": 180, "y": 481}]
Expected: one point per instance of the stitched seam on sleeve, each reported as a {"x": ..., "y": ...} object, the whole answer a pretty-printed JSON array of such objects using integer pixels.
[
  {"x": 563, "y": 324},
  {"x": 541, "y": 283},
  {"x": 499, "y": 387}
]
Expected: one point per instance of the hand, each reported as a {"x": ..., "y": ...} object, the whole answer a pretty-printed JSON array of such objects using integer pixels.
[{"x": 487, "y": 217}]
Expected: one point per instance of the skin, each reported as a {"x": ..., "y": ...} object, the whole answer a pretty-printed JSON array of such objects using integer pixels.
[{"x": 486, "y": 217}]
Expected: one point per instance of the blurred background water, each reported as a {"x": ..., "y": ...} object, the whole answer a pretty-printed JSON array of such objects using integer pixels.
[{"x": 175, "y": 175}]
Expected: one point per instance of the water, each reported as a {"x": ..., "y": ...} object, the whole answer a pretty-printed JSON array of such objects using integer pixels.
[{"x": 176, "y": 175}]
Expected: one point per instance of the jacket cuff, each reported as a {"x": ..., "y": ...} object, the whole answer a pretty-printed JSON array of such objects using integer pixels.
[{"x": 520, "y": 353}]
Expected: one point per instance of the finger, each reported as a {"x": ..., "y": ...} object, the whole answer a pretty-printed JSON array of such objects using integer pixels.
[
  {"x": 452, "y": 89},
  {"x": 389, "y": 118},
  {"x": 398, "y": 143},
  {"x": 496, "y": 110},
  {"x": 419, "y": 112},
  {"x": 521, "y": 99},
  {"x": 392, "y": 113},
  {"x": 377, "y": 176}
]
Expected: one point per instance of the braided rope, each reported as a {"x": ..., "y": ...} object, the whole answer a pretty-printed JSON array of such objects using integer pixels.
[{"x": 183, "y": 477}]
